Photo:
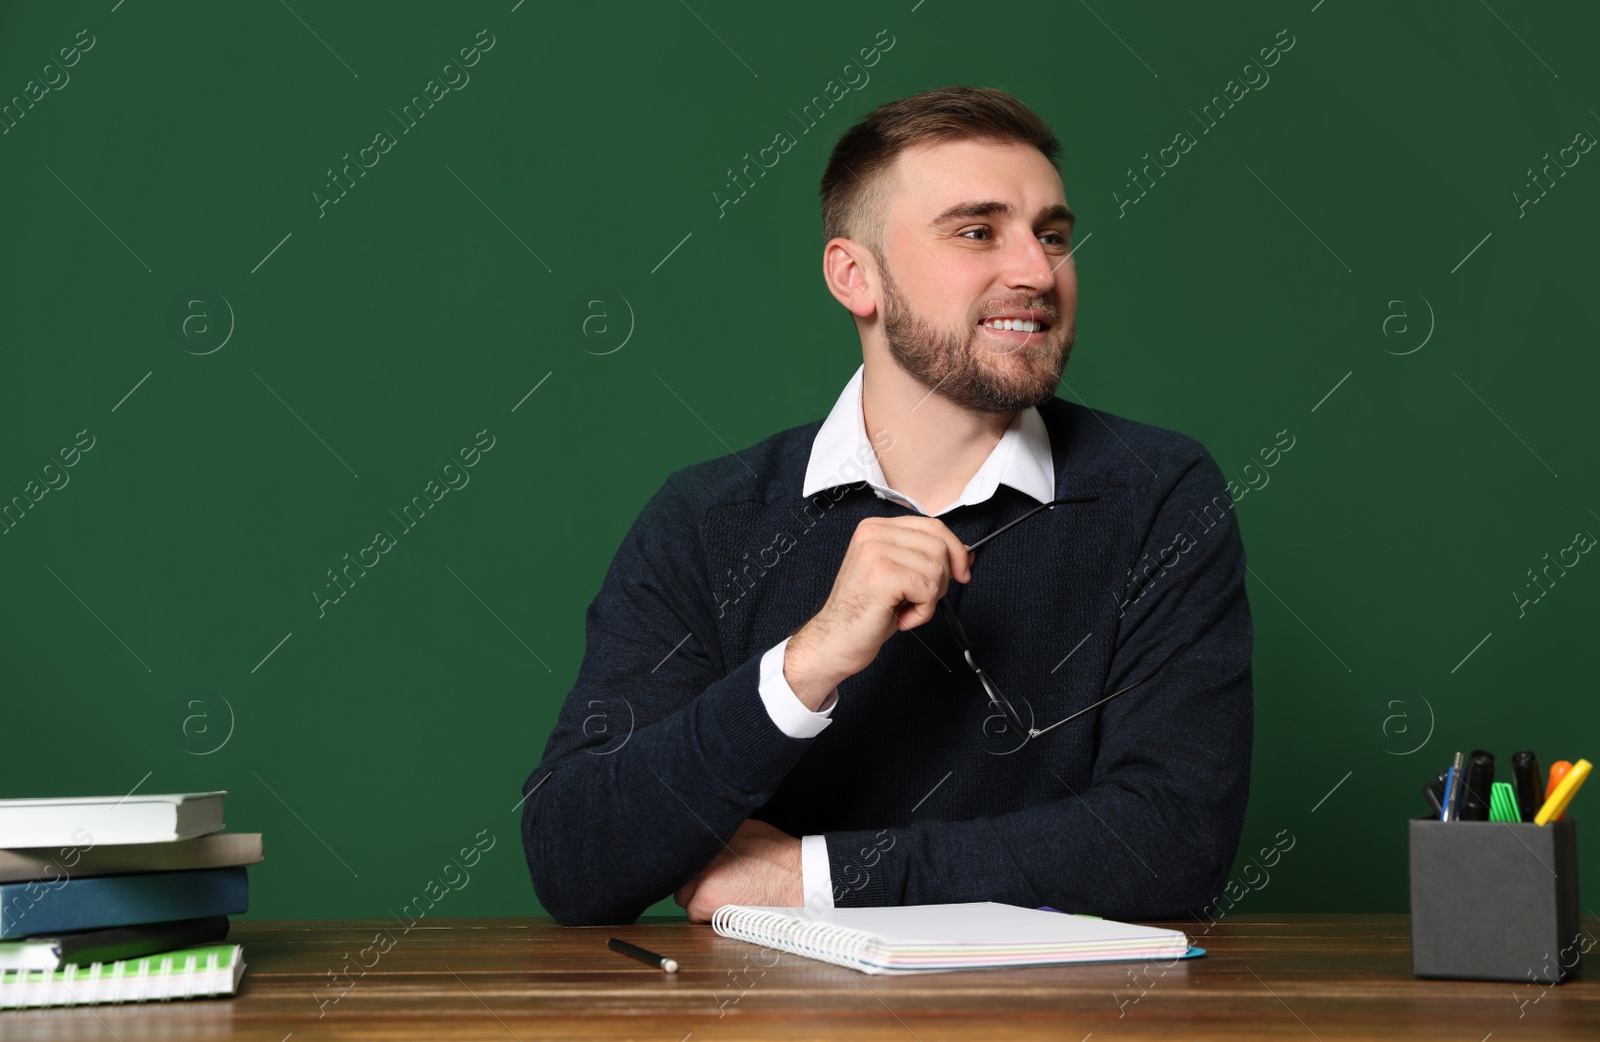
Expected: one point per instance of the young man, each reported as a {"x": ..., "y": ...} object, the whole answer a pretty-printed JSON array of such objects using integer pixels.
[{"x": 768, "y": 712}]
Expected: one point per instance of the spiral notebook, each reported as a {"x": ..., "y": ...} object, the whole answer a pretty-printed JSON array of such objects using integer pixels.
[
  {"x": 928, "y": 938},
  {"x": 183, "y": 973}
]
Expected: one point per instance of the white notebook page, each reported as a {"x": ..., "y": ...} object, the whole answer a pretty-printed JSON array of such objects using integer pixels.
[{"x": 982, "y": 923}]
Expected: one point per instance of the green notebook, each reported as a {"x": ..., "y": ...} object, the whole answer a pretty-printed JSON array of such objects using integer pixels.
[{"x": 182, "y": 973}]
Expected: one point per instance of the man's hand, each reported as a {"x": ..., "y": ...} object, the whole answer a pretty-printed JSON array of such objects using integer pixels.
[
  {"x": 892, "y": 576},
  {"x": 763, "y": 869}
]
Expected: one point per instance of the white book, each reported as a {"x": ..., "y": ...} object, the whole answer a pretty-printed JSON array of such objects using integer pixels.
[
  {"x": 79, "y": 821},
  {"x": 79, "y": 861},
  {"x": 928, "y": 938}
]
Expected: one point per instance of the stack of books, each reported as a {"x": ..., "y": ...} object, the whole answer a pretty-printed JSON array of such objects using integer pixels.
[{"x": 119, "y": 899}]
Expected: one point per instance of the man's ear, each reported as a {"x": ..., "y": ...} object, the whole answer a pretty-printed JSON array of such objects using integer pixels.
[{"x": 851, "y": 277}]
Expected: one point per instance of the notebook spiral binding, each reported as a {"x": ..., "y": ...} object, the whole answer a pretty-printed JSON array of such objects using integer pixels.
[
  {"x": 112, "y": 982},
  {"x": 827, "y": 942}
]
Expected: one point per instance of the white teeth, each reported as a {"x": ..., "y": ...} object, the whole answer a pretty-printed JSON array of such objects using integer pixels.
[{"x": 1018, "y": 324}]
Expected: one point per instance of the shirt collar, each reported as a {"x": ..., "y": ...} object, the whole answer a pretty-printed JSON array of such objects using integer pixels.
[{"x": 841, "y": 454}]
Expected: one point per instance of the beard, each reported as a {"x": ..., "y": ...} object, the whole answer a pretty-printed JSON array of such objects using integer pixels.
[{"x": 966, "y": 367}]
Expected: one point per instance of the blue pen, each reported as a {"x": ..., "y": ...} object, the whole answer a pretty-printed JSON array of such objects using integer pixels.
[
  {"x": 1452, "y": 792},
  {"x": 1449, "y": 788}
]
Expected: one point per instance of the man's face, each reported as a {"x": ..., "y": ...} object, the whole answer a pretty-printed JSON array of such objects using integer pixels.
[{"x": 958, "y": 270}]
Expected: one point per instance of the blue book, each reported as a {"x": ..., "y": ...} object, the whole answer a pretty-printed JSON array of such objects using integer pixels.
[{"x": 38, "y": 907}]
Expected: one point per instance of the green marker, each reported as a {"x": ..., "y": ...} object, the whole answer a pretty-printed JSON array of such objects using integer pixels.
[{"x": 1503, "y": 803}]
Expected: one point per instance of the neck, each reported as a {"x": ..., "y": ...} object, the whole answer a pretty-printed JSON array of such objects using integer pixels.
[{"x": 933, "y": 446}]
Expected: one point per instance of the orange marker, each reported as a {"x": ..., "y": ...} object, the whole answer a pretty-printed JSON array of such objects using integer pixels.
[{"x": 1558, "y": 770}]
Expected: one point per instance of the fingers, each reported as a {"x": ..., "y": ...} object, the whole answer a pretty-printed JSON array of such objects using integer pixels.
[
  {"x": 698, "y": 912},
  {"x": 957, "y": 558},
  {"x": 702, "y": 899},
  {"x": 891, "y": 579},
  {"x": 903, "y": 587},
  {"x": 903, "y": 574},
  {"x": 684, "y": 895},
  {"x": 928, "y": 536},
  {"x": 904, "y": 565}
]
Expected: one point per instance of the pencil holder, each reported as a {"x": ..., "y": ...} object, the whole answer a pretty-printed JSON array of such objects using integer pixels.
[{"x": 1495, "y": 900}]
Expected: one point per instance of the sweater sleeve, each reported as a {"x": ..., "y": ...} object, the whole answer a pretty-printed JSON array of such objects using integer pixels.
[
  {"x": 658, "y": 754},
  {"x": 1154, "y": 834}
]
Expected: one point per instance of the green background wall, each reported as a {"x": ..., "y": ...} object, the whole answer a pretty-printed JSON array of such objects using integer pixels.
[{"x": 1341, "y": 257}]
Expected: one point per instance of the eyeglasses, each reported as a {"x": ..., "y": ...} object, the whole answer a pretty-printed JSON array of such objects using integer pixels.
[{"x": 997, "y": 700}]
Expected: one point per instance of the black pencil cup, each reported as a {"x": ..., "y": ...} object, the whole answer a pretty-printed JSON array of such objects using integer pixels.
[{"x": 1495, "y": 900}]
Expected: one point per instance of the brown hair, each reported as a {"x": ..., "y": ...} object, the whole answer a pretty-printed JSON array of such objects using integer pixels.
[{"x": 853, "y": 196}]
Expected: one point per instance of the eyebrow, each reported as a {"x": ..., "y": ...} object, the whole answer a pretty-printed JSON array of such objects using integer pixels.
[{"x": 995, "y": 208}]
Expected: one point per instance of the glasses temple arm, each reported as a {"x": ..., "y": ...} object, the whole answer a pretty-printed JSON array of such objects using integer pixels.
[
  {"x": 1024, "y": 517},
  {"x": 1170, "y": 655}
]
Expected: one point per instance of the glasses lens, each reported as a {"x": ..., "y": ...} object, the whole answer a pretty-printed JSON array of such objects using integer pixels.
[{"x": 998, "y": 700}]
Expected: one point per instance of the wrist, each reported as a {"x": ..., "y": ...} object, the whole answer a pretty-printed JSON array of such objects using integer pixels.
[{"x": 806, "y": 672}]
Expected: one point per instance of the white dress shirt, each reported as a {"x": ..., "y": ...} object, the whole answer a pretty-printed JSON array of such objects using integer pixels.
[{"x": 841, "y": 454}]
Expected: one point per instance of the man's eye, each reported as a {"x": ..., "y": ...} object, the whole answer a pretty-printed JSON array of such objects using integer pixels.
[{"x": 1057, "y": 238}]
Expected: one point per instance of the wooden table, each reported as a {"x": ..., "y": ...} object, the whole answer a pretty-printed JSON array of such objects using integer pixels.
[{"x": 1320, "y": 977}]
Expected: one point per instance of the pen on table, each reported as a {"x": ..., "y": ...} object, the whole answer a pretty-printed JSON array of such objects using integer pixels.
[
  {"x": 1562, "y": 794},
  {"x": 660, "y": 962}
]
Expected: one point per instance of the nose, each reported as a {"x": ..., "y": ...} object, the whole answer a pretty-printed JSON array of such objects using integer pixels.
[{"x": 1029, "y": 267}]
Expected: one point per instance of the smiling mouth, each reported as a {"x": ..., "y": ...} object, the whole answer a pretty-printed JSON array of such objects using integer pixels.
[{"x": 1014, "y": 329}]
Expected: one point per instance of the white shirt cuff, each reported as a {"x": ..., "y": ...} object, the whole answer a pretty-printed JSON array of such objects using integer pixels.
[
  {"x": 783, "y": 705},
  {"x": 816, "y": 878}
]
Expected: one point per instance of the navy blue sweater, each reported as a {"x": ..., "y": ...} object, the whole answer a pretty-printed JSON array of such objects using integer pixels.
[{"x": 1132, "y": 810}]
